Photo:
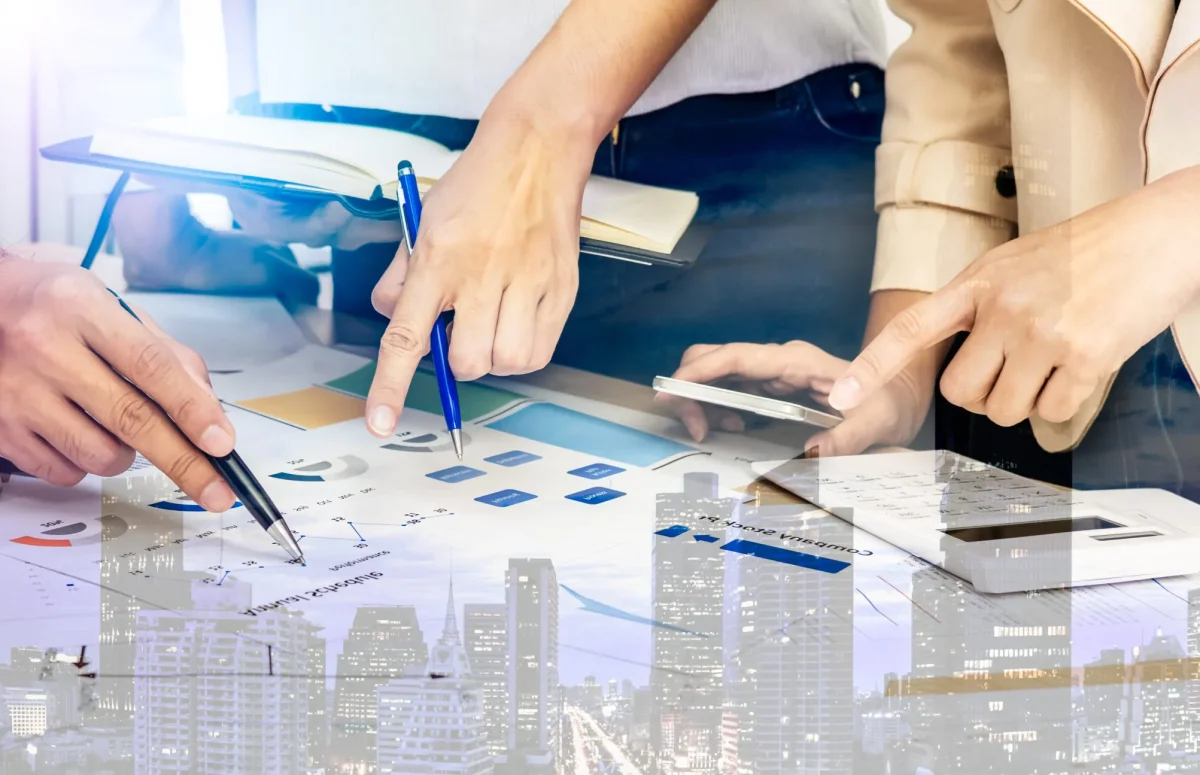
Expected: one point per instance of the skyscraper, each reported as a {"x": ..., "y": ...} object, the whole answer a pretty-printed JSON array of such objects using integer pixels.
[
  {"x": 531, "y": 594},
  {"x": 433, "y": 722},
  {"x": 122, "y": 497},
  {"x": 1103, "y": 707},
  {"x": 318, "y": 703},
  {"x": 1159, "y": 671},
  {"x": 485, "y": 636},
  {"x": 687, "y": 578},
  {"x": 790, "y": 651},
  {"x": 218, "y": 692},
  {"x": 1025, "y": 732},
  {"x": 382, "y": 643}
]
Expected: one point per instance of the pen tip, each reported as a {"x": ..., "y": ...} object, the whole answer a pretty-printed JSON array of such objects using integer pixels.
[{"x": 456, "y": 437}]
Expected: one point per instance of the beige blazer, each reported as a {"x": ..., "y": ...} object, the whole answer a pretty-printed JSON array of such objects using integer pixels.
[{"x": 1008, "y": 116}]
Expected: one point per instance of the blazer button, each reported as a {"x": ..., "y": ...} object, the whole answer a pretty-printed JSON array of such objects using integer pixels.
[{"x": 1006, "y": 182}]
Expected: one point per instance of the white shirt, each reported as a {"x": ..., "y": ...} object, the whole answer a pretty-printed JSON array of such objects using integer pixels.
[{"x": 450, "y": 57}]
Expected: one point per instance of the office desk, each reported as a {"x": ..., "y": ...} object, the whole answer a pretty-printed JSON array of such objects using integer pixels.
[{"x": 680, "y": 658}]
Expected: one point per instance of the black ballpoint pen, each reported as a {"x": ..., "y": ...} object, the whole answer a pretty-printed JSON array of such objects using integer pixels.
[{"x": 241, "y": 480}]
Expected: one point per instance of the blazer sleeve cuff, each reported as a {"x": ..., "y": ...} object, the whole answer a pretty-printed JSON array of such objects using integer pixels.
[
  {"x": 923, "y": 247},
  {"x": 950, "y": 173}
]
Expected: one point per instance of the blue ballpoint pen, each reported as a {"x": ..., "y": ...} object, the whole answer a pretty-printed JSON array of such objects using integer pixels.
[{"x": 439, "y": 344}]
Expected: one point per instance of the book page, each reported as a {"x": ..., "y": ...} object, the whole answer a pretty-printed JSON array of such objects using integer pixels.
[
  {"x": 277, "y": 149},
  {"x": 658, "y": 215}
]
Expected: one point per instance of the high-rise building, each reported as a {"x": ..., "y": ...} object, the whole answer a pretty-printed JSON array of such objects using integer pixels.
[
  {"x": 1102, "y": 706},
  {"x": 612, "y": 688},
  {"x": 1193, "y": 644},
  {"x": 687, "y": 583},
  {"x": 219, "y": 692},
  {"x": 627, "y": 689},
  {"x": 433, "y": 722},
  {"x": 1027, "y": 732},
  {"x": 591, "y": 695},
  {"x": 1160, "y": 672},
  {"x": 122, "y": 498},
  {"x": 485, "y": 636},
  {"x": 531, "y": 594},
  {"x": 789, "y": 644},
  {"x": 955, "y": 656},
  {"x": 318, "y": 701},
  {"x": 381, "y": 644}
]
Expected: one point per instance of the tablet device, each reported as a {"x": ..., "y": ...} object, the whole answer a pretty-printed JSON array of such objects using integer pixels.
[{"x": 746, "y": 402}]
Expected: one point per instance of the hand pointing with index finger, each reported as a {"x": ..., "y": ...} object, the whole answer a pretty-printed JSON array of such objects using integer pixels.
[
  {"x": 921, "y": 326},
  {"x": 1052, "y": 314}
]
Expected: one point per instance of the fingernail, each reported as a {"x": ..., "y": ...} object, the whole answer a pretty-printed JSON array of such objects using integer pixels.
[
  {"x": 217, "y": 497},
  {"x": 811, "y": 453},
  {"x": 845, "y": 394},
  {"x": 216, "y": 441},
  {"x": 733, "y": 424},
  {"x": 383, "y": 421},
  {"x": 694, "y": 429}
]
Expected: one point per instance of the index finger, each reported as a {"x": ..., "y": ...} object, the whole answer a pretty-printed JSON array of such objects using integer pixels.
[
  {"x": 148, "y": 361},
  {"x": 921, "y": 326},
  {"x": 401, "y": 349}
]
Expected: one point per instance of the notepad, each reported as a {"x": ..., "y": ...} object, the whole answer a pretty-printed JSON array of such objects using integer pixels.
[{"x": 360, "y": 162}]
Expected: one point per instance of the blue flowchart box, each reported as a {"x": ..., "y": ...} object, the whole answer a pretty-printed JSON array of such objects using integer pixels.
[
  {"x": 455, "y": 474},
  {"x": 505, "y": 498},
  {"x": 596, "y": 495},
  {"x": 596, "y": 471},
  {"x": 513, "y": 459}
]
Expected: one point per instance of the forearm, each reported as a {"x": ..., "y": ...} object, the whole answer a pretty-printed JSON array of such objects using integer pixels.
[{"x": 593, "y": 65}]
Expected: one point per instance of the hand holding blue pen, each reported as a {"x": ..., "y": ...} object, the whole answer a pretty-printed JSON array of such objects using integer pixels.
[{"x": 409, "y": 197}]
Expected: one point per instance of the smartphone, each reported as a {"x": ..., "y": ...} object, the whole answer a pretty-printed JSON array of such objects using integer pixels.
[{"x": 746, "y": 402}]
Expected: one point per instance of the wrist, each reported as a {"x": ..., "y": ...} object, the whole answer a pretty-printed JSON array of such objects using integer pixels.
[{"x": 568, "y": 128}]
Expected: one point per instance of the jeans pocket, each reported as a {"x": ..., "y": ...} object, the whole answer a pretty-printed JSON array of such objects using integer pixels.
[{"x": 849, "y": 109}]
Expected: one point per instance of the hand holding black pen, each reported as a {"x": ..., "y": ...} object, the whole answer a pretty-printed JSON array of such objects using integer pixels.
[{"x": 83, "y": 384}]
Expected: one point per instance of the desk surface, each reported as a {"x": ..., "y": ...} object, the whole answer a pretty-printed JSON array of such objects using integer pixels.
[{"x": 682, "y": 658}]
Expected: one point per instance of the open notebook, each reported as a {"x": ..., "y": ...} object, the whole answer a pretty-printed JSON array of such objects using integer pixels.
[{"x": 359, "y": 162}]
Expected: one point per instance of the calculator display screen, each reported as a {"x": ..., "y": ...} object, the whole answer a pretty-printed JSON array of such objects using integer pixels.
[{"x": 1029, "y": 529}]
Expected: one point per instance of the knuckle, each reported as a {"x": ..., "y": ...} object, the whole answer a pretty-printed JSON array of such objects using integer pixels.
[
  {"x": 57, "y": 474},
  {"x": 384, "y": 300},
  {"x": 133, "y": 415},
  {"x": 1053, "y": 409},
  {"x": 909, "y": 324},
  {"x": 510, "y": 360},
  {"x": 185, "y": 468},
  {"x": 869, "y": 362},
  {"x": 151, "y": 362},
  {"x": 1084, "y": 355},
  {"x": 65, "y": 288},
  {"x": 957, "y": 390},
  {"x": 541, "y": 359},
  {"x": 1004, "y": 414},
  {"x": 469, "y": 367},
  {"x": 402, "y": 340}
]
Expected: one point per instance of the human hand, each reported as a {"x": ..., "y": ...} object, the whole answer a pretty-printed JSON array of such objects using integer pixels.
[
  {"x": 166, "y": 249},
  {"x": 65, "y": 410},
  {"x": 324, "y": 224},
  {"x": 498, "y": 244},
  {"x": 892, "y": 416},
  {"x": 1052, "y": 314}
]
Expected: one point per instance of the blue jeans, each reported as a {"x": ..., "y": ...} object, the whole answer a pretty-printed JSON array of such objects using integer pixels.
[{"x": 786, "y": 183}]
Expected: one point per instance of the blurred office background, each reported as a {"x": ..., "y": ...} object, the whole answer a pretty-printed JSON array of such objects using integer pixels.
[{"x": 62, "y": 75}]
